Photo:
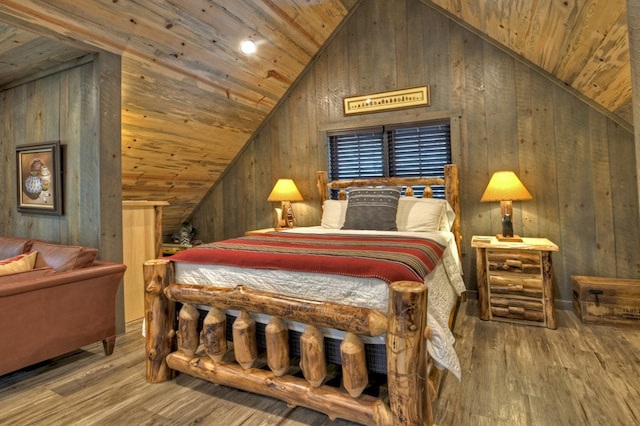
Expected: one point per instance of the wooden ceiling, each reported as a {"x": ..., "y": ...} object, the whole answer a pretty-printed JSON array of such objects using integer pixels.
[
  {"x": 583, "y": 43},
  {"x": 191, "y": 100}
]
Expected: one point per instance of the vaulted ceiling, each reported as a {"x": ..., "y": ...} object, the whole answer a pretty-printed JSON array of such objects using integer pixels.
[{"x": 191, "y": 100}]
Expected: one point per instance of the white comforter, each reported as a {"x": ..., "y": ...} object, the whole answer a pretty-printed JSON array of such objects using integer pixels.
[{"x": 444, "y": 282}]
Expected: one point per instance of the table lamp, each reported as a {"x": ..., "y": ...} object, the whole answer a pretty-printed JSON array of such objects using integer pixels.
[
  {"x": 505, "y": 187},
  {"x": 285, "y": 191}
]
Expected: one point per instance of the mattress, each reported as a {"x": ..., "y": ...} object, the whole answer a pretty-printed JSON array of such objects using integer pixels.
[{"x": 444, "y": 282}]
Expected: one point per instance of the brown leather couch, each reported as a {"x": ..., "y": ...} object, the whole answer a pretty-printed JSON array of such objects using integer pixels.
[{"x": 67, "y": 301}]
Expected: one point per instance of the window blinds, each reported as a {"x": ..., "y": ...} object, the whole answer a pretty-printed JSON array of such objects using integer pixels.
[{"x": 401, "y": 150}]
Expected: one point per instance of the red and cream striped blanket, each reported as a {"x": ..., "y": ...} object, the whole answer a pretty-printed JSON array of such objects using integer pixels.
[{"x": 383, "y": 257}]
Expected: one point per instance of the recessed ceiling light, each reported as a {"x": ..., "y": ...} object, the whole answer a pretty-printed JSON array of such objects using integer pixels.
[{"x": 248, "y": 47}]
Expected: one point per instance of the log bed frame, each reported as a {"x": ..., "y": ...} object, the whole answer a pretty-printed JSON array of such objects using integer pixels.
[{"x": 173, "y": 342}]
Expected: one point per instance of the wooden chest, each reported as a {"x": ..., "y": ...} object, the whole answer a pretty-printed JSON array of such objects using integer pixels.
[{"x": 606, "y": 301}]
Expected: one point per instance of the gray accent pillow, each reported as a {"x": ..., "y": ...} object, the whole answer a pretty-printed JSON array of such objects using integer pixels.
[{"x": 372, "y": 208}]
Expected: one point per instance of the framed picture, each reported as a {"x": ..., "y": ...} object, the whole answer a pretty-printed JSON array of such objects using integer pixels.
[
  {"x": 387, "y": 101},
  {"x": 39, "y": 178}
]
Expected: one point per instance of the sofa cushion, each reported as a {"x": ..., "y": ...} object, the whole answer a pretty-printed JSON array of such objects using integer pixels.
[
  {"x": 17, "y": 264},
  {"x": 27, "y": 275},
  {"x": 12, "y": 246},
  {"x": 62, "y": 257}
]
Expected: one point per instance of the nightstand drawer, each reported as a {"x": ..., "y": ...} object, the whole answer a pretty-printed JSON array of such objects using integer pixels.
[
  {"x": 515, "y": 284},
  {"x": 524, "y": 309},
  {"x": 514, "y": 261}
]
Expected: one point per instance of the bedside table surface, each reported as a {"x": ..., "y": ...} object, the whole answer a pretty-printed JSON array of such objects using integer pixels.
[
  {"x": 259, "y": 231},
  {"x": 528, "y": 243},
  {"x": 169, "y": 248}
]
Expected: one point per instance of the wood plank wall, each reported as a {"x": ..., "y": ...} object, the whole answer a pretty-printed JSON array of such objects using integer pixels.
[
  {"x": 578, "y": 163},
  {"x": 633, "y": 18},
  {"x": 78, "y": 105}
]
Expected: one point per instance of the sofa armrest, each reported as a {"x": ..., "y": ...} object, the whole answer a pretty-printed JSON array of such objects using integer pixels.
[{"x": 99, "y": 269}]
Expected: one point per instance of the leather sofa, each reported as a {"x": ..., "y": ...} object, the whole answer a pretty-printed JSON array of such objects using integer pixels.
[{"x": 67, "y": 300}]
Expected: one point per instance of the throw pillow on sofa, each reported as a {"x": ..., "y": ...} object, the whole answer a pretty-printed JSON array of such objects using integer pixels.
[
  {"x": 10, "y": 246},
  {"x": 64, "y": 258},
  {"x": 20, "y": 263}
]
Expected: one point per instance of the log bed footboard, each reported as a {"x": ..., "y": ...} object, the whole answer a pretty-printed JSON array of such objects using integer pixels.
[{"x": 174, "y": 346}]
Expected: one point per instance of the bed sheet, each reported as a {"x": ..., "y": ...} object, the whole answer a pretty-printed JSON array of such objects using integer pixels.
[{"x": 444, "y": 282}]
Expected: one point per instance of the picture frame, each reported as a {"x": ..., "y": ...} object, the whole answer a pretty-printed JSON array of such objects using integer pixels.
[
  {"x": 387, "y": 101},
  {"x": 39, "y": 178}
]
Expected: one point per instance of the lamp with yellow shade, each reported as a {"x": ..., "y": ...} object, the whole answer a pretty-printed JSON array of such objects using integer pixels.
[
  {"x": 284, "y": 191},
  {"x": 505, "y": 187}
]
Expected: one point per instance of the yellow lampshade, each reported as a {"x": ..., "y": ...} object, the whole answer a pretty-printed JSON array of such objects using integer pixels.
[
  {"x": 285, "y": 190},
  {"x": 505, "y": 186}
]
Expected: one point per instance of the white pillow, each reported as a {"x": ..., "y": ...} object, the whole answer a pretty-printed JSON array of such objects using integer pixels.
[
  {"x": 424, "y": 215},
  {"x": 448, "y": 217},
  {"x": 333, "y": 214},
  {"x": 414, "y": 214}
]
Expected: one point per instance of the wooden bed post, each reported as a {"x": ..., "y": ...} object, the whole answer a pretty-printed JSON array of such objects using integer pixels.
[
  {"x": 406, "y": 354},
  {"x": 323, "y": 190},
  {"x": 160, "y": 316},
  {"x": 451, "y": 188}
]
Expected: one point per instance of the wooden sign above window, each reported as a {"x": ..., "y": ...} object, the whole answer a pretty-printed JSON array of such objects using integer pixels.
[{"x": 386, "y": 101}]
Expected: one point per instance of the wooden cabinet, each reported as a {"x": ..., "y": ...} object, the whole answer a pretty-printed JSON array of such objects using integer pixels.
[
  {"x": 141, "y": 241},
  {"x": 514, "y": 280}
]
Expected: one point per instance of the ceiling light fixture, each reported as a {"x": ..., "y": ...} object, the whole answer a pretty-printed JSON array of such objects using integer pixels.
[{"x": 248, "y": 47}]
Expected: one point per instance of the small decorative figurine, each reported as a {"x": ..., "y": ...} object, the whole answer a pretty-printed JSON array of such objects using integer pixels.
[{"x": 507, "y": 226}]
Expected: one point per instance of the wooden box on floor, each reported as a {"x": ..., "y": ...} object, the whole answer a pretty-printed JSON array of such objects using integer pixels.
[{"x": 606, "y": 301}]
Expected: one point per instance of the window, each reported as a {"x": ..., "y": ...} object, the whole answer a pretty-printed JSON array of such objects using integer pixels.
[{"x": 387, "y": 151}]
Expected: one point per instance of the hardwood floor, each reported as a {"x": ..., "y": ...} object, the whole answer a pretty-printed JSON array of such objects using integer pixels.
[
  {"x": 525, "y": 375},
  {"x": 512, "y": 375}
]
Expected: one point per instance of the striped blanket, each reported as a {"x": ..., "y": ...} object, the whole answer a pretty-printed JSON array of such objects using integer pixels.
[{"x": 383, "y": 257}]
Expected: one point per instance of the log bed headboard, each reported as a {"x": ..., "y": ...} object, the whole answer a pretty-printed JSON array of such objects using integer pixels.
[{"x": 449, "y": 181}]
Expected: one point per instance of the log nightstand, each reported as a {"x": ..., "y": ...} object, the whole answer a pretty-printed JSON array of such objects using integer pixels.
[{"x": 514, "y": 280}]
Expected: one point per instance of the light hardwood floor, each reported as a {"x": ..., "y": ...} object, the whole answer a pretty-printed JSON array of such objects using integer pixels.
[{"x": 512, "y": 375}]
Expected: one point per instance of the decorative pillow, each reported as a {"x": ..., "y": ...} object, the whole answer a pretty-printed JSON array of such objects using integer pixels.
[
  {"x": 10, "y": 247},
  {"x": 20, "y": 263},
  {"x": 333, "y": 214},
  {"x": 372, "y": 208},
  {"x": 65, "y": 258}
]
